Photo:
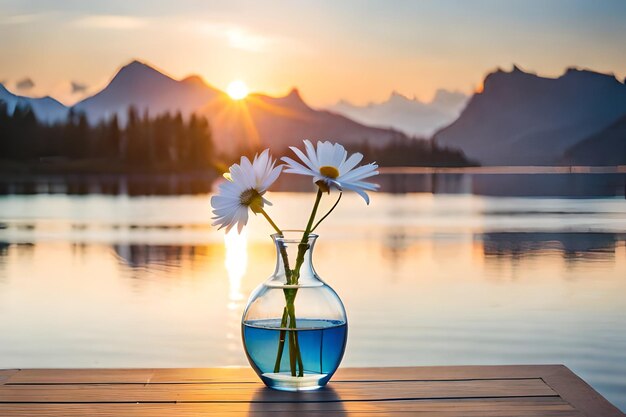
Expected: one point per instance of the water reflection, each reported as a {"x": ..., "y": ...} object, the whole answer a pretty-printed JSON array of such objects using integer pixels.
[
  {"x": 495, "y": 181},
  {"x": 236, "y": 262},
  {"x": 572, "y": 246},
  {"x": 144, "y": 255},
  {"x": 426, "y": 280},
  {"x": 133, "y": 185}
]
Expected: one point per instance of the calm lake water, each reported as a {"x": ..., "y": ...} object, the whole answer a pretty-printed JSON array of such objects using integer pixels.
[{"x": 116, "y": 281}]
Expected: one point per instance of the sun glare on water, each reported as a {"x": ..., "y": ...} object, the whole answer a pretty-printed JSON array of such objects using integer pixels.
[{"x": 237, "y": 90}]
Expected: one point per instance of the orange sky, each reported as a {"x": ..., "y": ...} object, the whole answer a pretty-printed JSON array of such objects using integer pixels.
[{"x": 355, "y": 50}]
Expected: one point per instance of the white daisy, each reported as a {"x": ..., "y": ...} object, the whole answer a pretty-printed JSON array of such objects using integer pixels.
[
  {"x": 246, "y": 184},
  {"x": 330, "y": 167}
]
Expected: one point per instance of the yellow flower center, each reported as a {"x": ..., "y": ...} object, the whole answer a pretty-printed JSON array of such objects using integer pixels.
[
  {"x": 252, "y": 199},
  {"x": 330, "y": 172}
]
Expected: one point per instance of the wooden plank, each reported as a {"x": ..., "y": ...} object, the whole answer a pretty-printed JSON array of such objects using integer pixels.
[
  {"x": 351, "y": 387},
  {"x": 525, "y": 407},
  {"x": 133, "y": 376},
  {"x": 445, "y": 372},
  {"x": 243, "y": 375},
  {"x": 577, "y": 392},
  {"x": 67, "y": 376},
  {"x": 228, "y": 392},
  {"x": 175, "y": 375},
  {"x": 5, "y": 374}
]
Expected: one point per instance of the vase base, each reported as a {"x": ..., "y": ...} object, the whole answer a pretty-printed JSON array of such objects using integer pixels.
[{"x": 286, "y": 382}]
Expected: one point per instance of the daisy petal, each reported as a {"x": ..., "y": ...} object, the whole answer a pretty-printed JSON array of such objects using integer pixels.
[
  {"x": 303, "y": 157},
  {"x": 312, "y": 155},
  {"x": 360, "y": 172},
  {"x": 293, "y": 165},
  {"x": 358, "y": 191},
  {"x": 339, "y": 155},
  {"x": 271, "y": 177},
  {"x": 351, "y": 162}
]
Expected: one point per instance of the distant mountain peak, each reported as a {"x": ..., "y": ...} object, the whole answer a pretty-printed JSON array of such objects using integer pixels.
[
  {"x": 293, "y": 98},
  {"x": 194, "y": 80},
  {"x": 144, "y": 87},
  {"x": 517, "y": 68},
  {"x": 46, "y": 109},
  {"x": 410, "y": 115},
  {"x": 137, "y": 69},
  {"x": 135, "y": 63},
  {"x": 399, "y": 97},
  {"x": 294, "y": 94},
  {"x": 500, "y": 77},
  {"x": 576, "y": 73}
]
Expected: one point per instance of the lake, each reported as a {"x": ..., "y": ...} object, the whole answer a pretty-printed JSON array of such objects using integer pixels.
[{"x": 427, "y": 279}]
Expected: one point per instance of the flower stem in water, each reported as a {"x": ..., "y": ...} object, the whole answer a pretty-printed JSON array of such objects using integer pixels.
[{"x": 289, "y": 312}]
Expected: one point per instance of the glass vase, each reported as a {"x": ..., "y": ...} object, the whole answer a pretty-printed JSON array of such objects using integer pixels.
[{"x": 294, "y": 326}]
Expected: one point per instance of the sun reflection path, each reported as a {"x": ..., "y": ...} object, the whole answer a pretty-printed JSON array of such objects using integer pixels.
[{"x": 236, "y": 263}]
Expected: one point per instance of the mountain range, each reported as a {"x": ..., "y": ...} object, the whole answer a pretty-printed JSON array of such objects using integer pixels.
[
  {"x": 46, "y": 108},
  {"x": 411, "y": 116},
  {"x": 257, "y": 121},
  {"x": 143, "y": 87},
  {"x": 520, "y": 118}
]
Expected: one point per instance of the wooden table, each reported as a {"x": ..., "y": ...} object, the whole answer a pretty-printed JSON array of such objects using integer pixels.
[{"x": 537, "y": 390}]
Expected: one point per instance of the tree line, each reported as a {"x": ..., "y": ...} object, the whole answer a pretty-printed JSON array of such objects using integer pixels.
[
  {"x": 166, "y": 141},
  {"x": 163, "y": 143},
  {"x": 412, "y": 152}
]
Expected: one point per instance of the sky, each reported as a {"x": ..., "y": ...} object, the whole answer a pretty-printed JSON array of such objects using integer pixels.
[{"x": 330, "y": 50}]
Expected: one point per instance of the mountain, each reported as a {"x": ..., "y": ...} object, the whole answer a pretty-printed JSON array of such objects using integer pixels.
[
  {"x": 607, "y": 147},
  {"x": 278, "y": 122},
  {"x": 257, "y": 121},
  {"x": 523, "y": 119},
  {"x": 452, "y": 102},
  {"x": 145, "y": 88},
  {"x": 408, "y": 115},
  {"x": 46, "y": 108}
]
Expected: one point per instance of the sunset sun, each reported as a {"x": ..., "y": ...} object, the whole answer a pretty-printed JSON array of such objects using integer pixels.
[{"x": 237, "y": 90}]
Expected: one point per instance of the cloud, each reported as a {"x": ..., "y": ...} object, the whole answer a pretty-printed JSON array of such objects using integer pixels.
[
  {"x": 237, "y": 37},
  {"x": 109, "y": 22},
  {"x": 25, "y": 84},
  {"x": 78, "y": 88}
]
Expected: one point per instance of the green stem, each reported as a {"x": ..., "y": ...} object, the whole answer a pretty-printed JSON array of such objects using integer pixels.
[
  {"x": 304, "y": 246},
  {"x": 295, "y": 356},
  {"x": 327, "y": 214},
  {"x": 293, "y": 353},
  {"x": 283, "y": 321},
  {"x": 299, "y": 355},
  {"x": 269, "y": 219},
  {"x": 283, "y": 252},
  {"x": 281, "y": 341},
  {"x": 318, "y": 198}
]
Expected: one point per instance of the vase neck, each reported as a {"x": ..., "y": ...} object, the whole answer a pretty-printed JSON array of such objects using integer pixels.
[{"x": 294, "y": 265}]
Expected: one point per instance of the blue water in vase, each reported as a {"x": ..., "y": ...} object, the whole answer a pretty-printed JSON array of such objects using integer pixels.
[{"x": 322, "y": 344}]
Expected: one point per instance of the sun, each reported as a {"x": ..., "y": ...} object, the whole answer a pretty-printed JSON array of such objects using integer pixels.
[{"x": 237, "y": 90}]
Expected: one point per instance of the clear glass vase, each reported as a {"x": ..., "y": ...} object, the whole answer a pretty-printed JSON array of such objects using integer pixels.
[{"x": 294, "y": 326}]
